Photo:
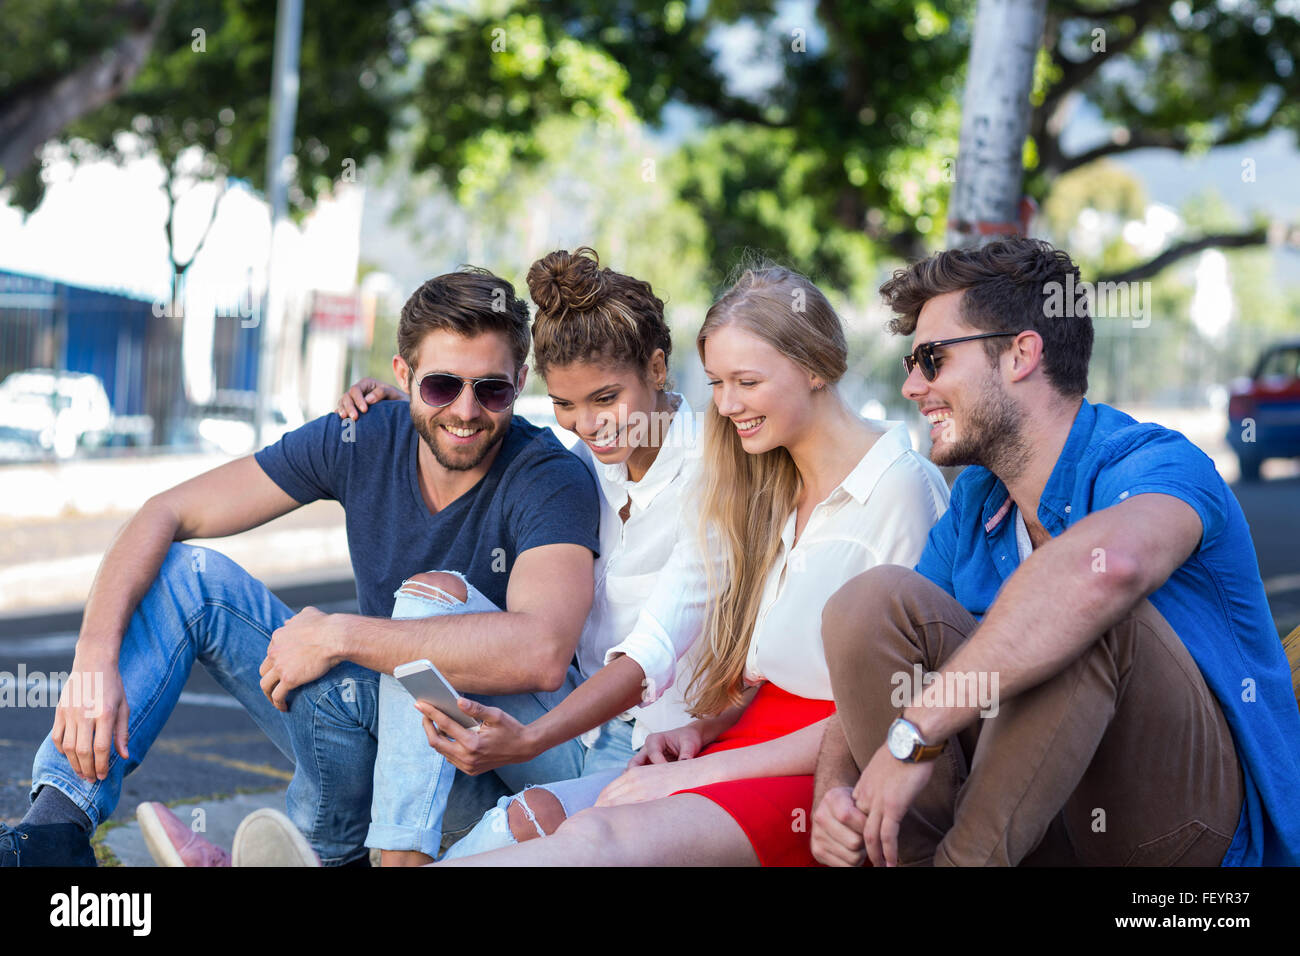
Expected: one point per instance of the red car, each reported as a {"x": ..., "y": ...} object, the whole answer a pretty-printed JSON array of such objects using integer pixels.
[{"x": 1264, "y": 410}]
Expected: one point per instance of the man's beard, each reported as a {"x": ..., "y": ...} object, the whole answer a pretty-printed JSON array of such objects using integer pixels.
[
  {"x": 991, "y": 436},
  {"x": 449, "y": 458}
]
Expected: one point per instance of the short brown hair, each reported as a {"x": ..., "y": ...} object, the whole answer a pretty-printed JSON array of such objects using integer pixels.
[
  {"x": 588, "y": 313},
  {"x": 469, "y": 302},
  {"x": 1006, "y": 287}
]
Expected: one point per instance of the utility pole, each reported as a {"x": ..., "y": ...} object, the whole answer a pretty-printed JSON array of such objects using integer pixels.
[
  {"x": 279, "y": 149},
  {"x": 986, "y": 195}
]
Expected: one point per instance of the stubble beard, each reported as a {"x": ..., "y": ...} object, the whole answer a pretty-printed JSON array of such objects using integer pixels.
[
  {"x": 992, "y": 436},
  {"x": 428, "y": 430}
]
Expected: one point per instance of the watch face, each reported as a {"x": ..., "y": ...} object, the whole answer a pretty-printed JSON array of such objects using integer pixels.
[{"x": 901, "y": 740}]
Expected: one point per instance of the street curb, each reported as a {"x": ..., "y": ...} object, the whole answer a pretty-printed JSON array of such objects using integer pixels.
[{"x": 67, "y": 619}]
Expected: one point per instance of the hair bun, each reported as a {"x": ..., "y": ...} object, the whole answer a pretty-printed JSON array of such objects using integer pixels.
[{"x": 564, "y": 281}]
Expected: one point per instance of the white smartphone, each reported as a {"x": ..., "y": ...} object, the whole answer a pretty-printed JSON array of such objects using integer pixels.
[{"x": 423, "y": 682}]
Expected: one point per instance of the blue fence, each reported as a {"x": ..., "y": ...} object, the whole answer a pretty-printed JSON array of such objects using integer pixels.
[{"x": 115, "y": 337}]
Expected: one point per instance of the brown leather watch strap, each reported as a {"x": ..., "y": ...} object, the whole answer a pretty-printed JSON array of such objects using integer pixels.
[{"x": 928, "y": 753}]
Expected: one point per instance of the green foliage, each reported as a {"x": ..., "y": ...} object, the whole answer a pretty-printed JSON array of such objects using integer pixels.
[
  {"x": 205, "y": 86},
  {"x": 837, "y": 157},
  {"x": 844, "y": 152}
]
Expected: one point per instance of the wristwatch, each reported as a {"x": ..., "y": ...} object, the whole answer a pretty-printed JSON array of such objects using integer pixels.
[{"x": 906, "y": 743}]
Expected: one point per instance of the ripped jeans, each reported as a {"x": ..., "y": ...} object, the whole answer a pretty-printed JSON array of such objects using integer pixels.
[
  {"x": 606, "y": 759},
  {"x": 418, "y": 795}
]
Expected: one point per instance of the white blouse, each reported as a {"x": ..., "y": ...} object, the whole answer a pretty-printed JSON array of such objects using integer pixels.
[
  {"x": 881, "y": 513},
  {"x": 634, "y": 553}
]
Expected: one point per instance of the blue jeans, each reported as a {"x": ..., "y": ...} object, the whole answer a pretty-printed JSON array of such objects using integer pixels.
[
  {"x": 204, "y": 607},
  {"x": 606, "y": 759},
  {"x": 418, "y": 796}
]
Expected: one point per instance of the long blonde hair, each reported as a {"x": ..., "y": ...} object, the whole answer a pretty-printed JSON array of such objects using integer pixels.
[{"x": 746, "y": 499}]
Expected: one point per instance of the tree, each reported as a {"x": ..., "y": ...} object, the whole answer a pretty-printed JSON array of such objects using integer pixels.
[
  {"x": 854, "y": 141},
  {"x": 205, "y": 81},
  {"x": 986, "y": 195},
  {"x": 89, "y": 53},
  {"x": 196, "y": 99},
  {"x": 844, "y": 154}
]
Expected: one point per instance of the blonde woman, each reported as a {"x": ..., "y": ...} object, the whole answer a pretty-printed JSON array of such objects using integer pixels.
[{"x": 802, "y": 495}]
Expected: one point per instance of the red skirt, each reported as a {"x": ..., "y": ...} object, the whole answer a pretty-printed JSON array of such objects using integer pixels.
[{"x": 774, "y": 812}]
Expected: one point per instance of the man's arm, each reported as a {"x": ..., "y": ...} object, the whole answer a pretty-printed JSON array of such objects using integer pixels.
[
  {"x": 528, "y": 647},
  {"x": 1065, "y": 595},
  {"x": 226, "y": 500}
]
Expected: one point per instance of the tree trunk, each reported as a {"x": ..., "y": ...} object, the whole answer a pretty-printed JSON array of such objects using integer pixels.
[
  {"x": 986, "y": 195},
  {"x": 31, "y": 120}
]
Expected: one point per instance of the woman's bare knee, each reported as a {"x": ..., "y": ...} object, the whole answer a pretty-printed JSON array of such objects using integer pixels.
[
  {"x": 593, "y": 827},
  {"x": 547, "y": 814}
]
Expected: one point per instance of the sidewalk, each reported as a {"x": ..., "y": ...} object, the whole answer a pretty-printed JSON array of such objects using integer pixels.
[{"x": 60, "y": 518}]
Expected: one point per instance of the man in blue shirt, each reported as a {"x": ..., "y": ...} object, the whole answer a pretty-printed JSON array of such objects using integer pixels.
[
  {"x": 452, "y": 506},
  {"x": 1092, "y": 592}
]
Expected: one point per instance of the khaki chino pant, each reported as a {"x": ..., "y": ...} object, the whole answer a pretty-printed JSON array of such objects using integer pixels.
[{"x": 1122, "y": 759}]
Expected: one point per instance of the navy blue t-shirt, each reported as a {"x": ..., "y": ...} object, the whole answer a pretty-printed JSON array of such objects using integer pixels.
[{"x": 536, "y": 493}]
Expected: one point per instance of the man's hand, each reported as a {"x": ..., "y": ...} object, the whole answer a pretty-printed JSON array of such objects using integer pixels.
[
  {"x": 837, "y": 830},
  {"x": 499, "y": 739},
  {"x": 365, "y": 393},
  {"x": 884, "y": 792},
  {"x": 92, "y": 718},
  {"x": 650, "y": 782},
  {"x": 299, "y": 652},
  {"x": 670, "y": 745}
]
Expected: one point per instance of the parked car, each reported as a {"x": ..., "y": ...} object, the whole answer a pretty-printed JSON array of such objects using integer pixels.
[
  {"x": 226, "y": 423},
  {"x": 1264, "y": 410},
  {"x": 55, "y": 411}
]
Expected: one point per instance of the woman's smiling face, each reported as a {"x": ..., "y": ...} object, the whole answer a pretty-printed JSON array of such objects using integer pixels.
[
  {"x": 766, "y": 396},
  {"x": 602, "y": 404}
]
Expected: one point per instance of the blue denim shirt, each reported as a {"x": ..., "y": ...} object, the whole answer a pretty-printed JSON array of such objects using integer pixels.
[{"x": 1214, "y": 601}]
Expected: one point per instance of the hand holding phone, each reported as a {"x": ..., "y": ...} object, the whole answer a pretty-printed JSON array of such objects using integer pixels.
[{"x": 424, "y": 682}]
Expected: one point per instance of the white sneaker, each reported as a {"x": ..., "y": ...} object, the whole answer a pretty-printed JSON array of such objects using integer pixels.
[{"x": 267, "y": 837}]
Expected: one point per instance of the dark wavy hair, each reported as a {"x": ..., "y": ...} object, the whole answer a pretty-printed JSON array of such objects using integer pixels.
[
  {"x": 589, "y": 313},
  {"x": 469, "y": 302},
  {"x": 1006, "y": 285}
]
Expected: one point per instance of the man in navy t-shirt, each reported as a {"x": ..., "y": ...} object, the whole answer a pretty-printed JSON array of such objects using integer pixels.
[
  {"x": 453, "y": 506},
  {"x": 1092, "y": 592}
]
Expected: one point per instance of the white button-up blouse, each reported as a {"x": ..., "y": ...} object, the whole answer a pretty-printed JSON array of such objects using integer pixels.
[
  {"x": 634, "y": 554},
  {"x": 881, "y": 513}
]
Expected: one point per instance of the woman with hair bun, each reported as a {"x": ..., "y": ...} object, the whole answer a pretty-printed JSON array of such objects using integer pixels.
[
  {"x": 601, "y": 344},
  {"x": 796, "y": 495}
]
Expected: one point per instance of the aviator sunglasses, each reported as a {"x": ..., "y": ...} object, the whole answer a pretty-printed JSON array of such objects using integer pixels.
[
  {"x": 923, "y": 355},
  {"x": 440, "y": 389}
]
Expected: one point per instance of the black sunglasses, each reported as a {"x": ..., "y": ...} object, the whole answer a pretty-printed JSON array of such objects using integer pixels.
[
  {"x": 440, "y": 389},
  {"x": 923, "y": 355}
]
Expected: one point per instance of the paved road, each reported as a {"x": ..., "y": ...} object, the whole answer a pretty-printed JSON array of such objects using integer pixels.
[{"x": 211, "y": 747}]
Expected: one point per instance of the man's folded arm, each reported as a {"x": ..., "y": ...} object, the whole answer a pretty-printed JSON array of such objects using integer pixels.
[
  {"x": 1066, "y": 594},
  {"x": 527, "y": 648}
]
